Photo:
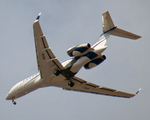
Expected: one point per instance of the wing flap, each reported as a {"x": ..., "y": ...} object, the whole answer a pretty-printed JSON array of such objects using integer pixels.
[
  {"x": 84, "y": 86},
  {"x": 46, "y": 60},
  {"x": 56, "y": 63},
  {"x": 92, "y": 85},
  {"x": 107, "y": 89},
  {"x": 45, "y": 44}
]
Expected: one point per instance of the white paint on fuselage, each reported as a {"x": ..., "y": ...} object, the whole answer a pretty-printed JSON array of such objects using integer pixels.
[
  {"x": 34, "y": 82},
  {"x": 65, "y": 62},
  {"x": 24, "y": 87}
]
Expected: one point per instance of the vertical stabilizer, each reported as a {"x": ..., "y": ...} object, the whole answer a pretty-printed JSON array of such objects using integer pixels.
[{"x": 107, "y": 22}]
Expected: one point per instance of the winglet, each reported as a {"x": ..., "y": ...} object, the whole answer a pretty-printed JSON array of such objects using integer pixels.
[
  {"x": 38, "y": 17},
  {"x": 138, "y": 91}
]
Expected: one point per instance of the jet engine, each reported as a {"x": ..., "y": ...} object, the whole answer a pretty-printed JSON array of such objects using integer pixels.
[
  {"x": 95, "y": 62},
  {"x": 70, "y": 50},
  {"x": 79, "y": 50}
]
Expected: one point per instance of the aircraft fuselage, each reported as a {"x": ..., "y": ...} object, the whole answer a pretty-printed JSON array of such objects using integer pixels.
[{"x": 72, "y": 65}]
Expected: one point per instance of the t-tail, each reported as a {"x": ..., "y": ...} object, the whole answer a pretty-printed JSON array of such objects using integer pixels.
[
  {"x": 108, "y": 26},
  {"x": 110, "y": 29}
]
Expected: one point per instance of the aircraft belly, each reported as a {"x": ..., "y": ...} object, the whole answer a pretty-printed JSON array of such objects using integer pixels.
[
  {"x": 54, "y": 80},
  {"x": 26, "y": 87},
  {"x": 25, "y": 91}
]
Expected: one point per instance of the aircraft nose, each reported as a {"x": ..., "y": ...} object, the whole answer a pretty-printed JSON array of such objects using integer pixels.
[
  {"x": 11, "y": 93},
  {"x": 8, "y": 97}
]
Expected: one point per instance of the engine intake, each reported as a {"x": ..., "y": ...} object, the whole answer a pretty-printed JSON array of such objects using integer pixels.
[{"x": 95, "y": 62}]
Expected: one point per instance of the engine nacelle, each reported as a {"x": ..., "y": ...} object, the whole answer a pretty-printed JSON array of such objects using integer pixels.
[
  {"x": 95, "y": 62},
  {"x": 70, "y": 50},
  {"x": 79, "y": 50}
]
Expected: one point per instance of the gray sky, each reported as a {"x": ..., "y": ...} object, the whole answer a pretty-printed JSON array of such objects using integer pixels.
[{"x": 67, "y": 23}]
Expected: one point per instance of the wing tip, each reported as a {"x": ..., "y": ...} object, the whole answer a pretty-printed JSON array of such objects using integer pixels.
[
  {"x": 138, "y": 91},
  {"x": 38, "y": 17}
]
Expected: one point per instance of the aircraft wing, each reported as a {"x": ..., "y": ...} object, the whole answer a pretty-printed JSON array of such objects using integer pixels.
[
  {"x": 84, "y": 86},
  {"x": 46, "y": 60}
]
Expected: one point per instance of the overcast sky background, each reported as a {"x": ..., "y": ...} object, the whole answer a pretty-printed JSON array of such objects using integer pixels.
[{"x": 67, "y": 23}]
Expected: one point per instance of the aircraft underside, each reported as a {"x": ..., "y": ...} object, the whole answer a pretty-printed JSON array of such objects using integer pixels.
[{"x": 54, "y": 73}]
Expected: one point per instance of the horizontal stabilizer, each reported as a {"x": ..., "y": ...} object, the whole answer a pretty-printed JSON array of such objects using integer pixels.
[{"x": 122, "y": 33}]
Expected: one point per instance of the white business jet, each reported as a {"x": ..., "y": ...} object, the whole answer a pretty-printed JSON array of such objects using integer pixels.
[{"x": 54, "y": 73}]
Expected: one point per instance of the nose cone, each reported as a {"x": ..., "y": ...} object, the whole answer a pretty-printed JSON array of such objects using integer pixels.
[
  {"x": 8, "y": 97},
  {"x": 12, "y": 93}
]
